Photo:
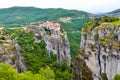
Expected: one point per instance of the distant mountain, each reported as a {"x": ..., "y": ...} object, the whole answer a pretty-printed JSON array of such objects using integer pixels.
[
  {"x": 114, "y": 13},
  {"x": 99, "y": 14},
  {"x": 18, "y": 16}
]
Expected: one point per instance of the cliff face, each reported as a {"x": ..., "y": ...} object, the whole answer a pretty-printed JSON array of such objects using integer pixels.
[
  {"x": 10, "y": 53},
  {"x": 56, "y": 41},
  {"x": 101, "y": 46}
]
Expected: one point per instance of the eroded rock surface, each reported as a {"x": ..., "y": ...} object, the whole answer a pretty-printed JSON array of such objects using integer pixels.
[
  {"x": 102, "y": 47},
  {"x": 55, "y": 39},
  {"x": 10, "y": 53}
]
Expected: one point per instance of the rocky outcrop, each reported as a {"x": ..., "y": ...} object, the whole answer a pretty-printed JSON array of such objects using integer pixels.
[
  {"x": 56, "y": 42},
  {"x": 102, "y": 47},
  {"x": 55, "y": 39},
  {"x": 10, "y": 53}
]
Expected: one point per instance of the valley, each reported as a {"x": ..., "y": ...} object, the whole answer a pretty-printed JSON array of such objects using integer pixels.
[{"x": 58, "y": 44}]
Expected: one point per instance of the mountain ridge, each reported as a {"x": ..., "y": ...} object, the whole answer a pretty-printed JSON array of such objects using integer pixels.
[
  {"x": 32, "y": 14},
  {"x": 115, "y": 12}
]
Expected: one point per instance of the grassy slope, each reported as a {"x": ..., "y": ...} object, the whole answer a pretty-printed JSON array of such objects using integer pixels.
[
  {"x": 89, "y": 26},
  {"x": 116, "y": 23}
]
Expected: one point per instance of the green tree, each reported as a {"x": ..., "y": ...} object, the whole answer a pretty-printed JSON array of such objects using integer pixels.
[
  {"x": 117, "y": 77},
  {"x": 48, "y": 73},
  {"x": 7, "y": 72},
  {"x": 104, "y": 76}
]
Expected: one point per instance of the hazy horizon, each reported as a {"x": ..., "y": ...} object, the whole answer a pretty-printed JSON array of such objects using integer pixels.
[{"x": 91, "y": 6}]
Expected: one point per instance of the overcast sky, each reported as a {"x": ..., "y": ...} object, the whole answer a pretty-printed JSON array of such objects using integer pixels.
[{"x": 93, "y": 6}]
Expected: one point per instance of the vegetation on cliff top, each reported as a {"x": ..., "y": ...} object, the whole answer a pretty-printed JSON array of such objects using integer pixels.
[{"x": 90, "y": 25}]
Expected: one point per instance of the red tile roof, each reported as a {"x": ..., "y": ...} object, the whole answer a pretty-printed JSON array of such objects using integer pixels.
[{"x": 51, "y": 25}]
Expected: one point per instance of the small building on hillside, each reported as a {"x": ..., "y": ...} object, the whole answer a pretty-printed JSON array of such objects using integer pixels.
[
  {"x": 66, "y": 19},
  {"x": 51, "y": 25}
]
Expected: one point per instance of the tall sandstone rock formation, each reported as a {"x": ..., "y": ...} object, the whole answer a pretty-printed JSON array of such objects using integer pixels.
[
  {"x": 102, "y": 47},
  {"x": 10, "y": 52},
  {"x": 55, "y": 39}
]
